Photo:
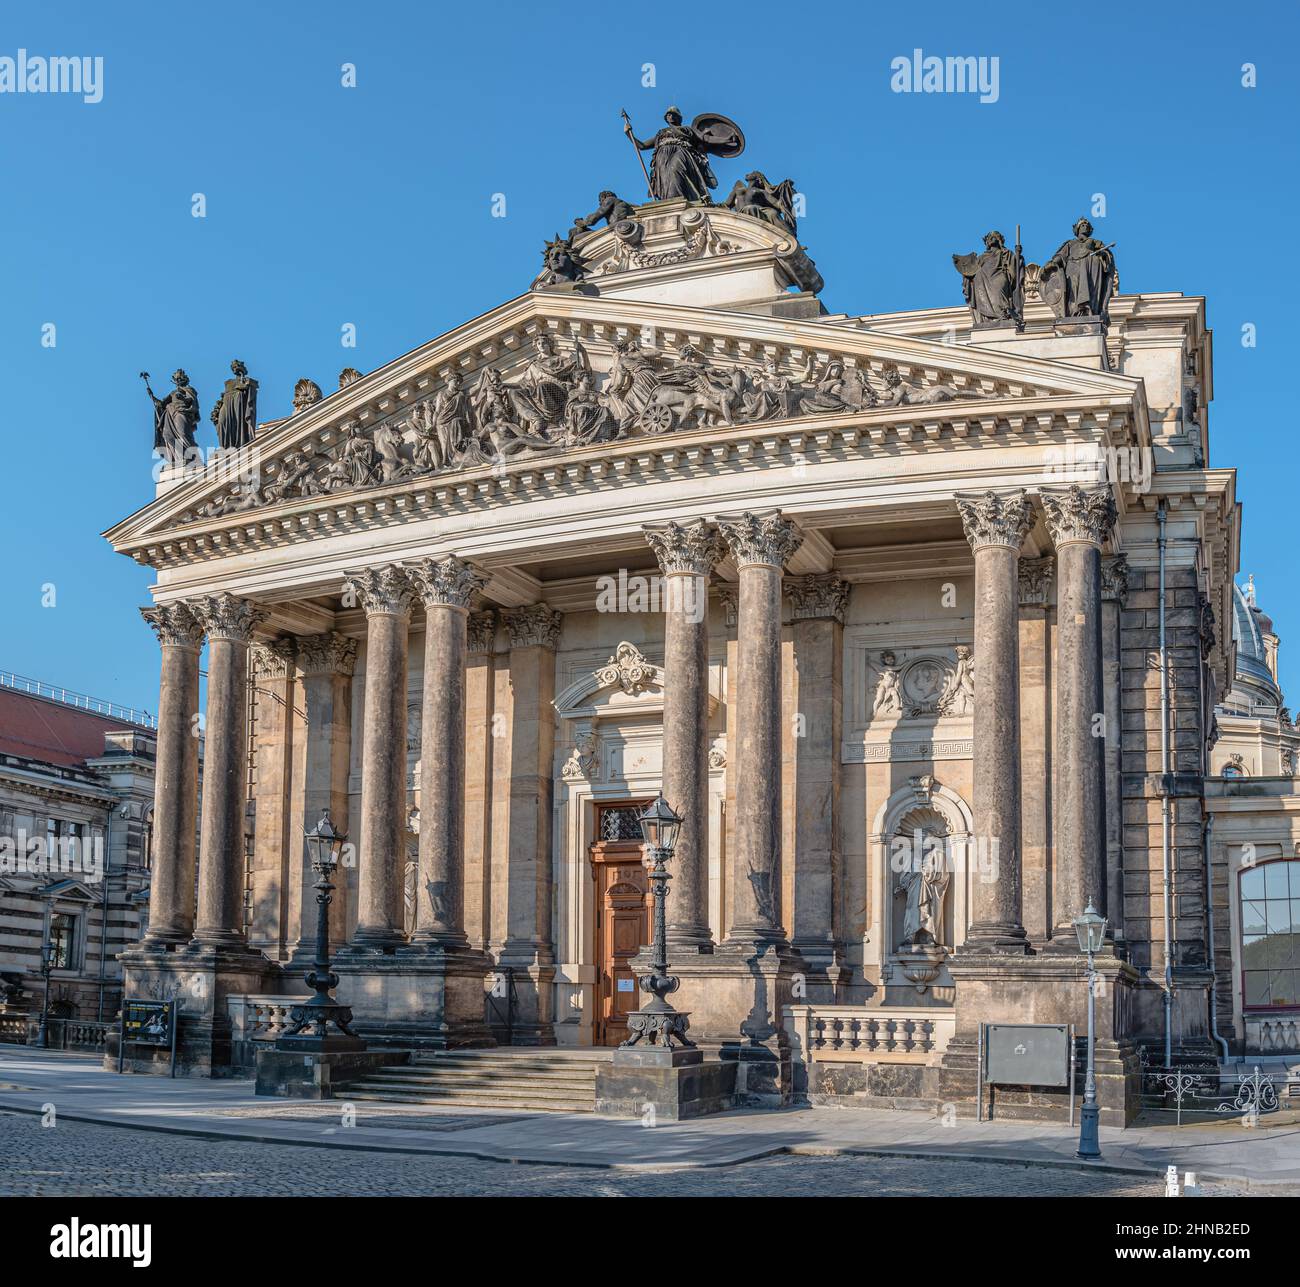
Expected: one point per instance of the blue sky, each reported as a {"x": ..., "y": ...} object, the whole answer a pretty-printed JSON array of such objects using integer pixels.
[{"x": 373, "y": 206}]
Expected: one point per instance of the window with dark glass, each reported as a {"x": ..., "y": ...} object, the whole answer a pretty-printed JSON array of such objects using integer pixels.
[
  {"x": 1270, "y": 935},
  {"x": 63, "y": 941}
]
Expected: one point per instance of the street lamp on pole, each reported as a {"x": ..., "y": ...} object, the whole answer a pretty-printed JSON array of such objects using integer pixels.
[
  {"x": 657, "y": 1022},
  {"x": 47, "y": 967},
  {"x": 1090, "y": 927},
  {"x": 310, "y": 1022}
]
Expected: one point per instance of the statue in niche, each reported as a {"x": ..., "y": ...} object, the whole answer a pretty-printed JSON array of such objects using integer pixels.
[
  {"x": 772, "y": 203},
  {"x": 612, "y": 209},
  {"x": 888, "y": 699},
  {"x": 1080, "y": 278},
  {"x": 235, "y": 411},
  {"x": 924, "y": 883},
  {"x": 306, "y": 393},
  {"x": 175, "y": 418},
  {"x": 679, "y": 166},
  {"x": 993, "y": 282}
]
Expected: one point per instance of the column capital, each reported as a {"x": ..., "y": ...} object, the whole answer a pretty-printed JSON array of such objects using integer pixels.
[
  {"x": 226, "y": 616},
  {"x": 1114, "y": 578},
  {"x": 818, "y": 596},
  {"x": 386, "y": 589},
  {"x": 273, "y": 658},
  {"x": 1074, "y": 513},
  {"x": 1036, "y": 581},
  {"x": 175, "y": 624},
  {"x": 766, "y": 539},
  {"x": 482, "y": 631},
  {"x": 995, "y": 518},
  {"x": 445, "y": 582},
  {"x": 329, "y": 654},
  {"x": 695, "y": 548},
  {"x": 536, "y": 626}
]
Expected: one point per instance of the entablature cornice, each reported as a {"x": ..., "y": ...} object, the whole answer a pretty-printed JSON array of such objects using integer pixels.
[{"x": 945, "y": 441}]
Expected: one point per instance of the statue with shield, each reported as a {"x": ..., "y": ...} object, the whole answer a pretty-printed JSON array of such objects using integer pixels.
[{"x": 679, "y": 164}]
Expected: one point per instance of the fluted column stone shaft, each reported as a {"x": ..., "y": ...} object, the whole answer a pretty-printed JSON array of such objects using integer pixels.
[
  {"x": 1080, "y": 519},
  {"x": 761, "y": 544},
  {"x": 387, "y": 597},
  {"x": 176, "y": 774},
  {"x": 687, "y": 554},
  {"x": 229, "y": 622},
  {"x": 447, "y": 586},
  {"x": 996, "y": 524}
]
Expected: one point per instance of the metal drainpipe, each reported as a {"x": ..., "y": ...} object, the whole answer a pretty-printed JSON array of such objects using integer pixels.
[
  {"x": 1166, "y": 875},
  {"x": 103, "y": 927},
  {"x": 1209, "y": 936}
]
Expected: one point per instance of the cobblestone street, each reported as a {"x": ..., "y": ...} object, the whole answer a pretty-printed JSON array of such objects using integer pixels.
[{"x": 78, "y": 1159}]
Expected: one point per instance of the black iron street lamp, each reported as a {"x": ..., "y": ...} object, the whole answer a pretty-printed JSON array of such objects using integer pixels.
[
  {"x": 47, "y": 967},
  {"x": 1091, "y": 929},
  {"x": 656, "y": 1021},
  {"x": 310, "y": 1022}
]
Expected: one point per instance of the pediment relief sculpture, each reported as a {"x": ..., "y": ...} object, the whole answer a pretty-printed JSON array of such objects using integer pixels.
[
  {"x": 558, "y": 401},
  {"x": 927, "y": 684}
]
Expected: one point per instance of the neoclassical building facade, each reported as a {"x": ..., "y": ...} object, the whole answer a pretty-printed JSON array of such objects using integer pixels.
[{"x": 918, "y": 621}]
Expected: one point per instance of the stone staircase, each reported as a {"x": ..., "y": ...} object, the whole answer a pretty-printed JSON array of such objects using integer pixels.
[{"x": 532, "y": 1079}]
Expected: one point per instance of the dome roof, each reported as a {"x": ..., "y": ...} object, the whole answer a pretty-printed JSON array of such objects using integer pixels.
[{"x": 1249, "y": 625}]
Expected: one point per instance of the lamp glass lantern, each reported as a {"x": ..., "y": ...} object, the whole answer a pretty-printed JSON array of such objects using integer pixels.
[
  {"x": 1090, "y": 926},
  {"x": 325, "y": 844},
  {"x": 660, "y": 825}
]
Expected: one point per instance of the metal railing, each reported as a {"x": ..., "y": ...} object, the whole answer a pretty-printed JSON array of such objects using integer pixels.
[
  {"x": 96, "y": 705},
  {"x": 1194, "y": 1094}
]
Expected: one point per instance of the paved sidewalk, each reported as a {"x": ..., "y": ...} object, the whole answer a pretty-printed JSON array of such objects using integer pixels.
[{"x": 80, "y": 1090}]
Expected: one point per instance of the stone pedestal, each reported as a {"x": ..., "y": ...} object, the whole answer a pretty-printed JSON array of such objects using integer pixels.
[
  {"x": 430, "y": 998},
  {"x": 201, "y": 976},
  {"x": 1045, "y": 989},
  {"x": 664, "y": 1084}
]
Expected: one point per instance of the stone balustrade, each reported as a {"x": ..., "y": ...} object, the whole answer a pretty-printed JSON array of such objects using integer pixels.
[
  {"x": 256, "y": 1020},
  {"x": 1269, "y": 1034},
  {"x": 858, "y": 1034}
]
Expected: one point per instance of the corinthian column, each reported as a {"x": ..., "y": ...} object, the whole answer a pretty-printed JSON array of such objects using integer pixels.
[
  {"x": 229, "y": 623},
  {"x": 760, "y": 544},
  {"x": 996, "y": 524},
  {"x": 1080, "y": 519},
  {"x": 176, "y": 774},
  {"x": 446, "y": 586},
  {"x": 687, "y": 554},
  {"x": 386, "y": 595}
]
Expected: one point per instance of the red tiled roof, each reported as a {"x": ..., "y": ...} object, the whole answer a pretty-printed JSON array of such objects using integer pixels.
[{"x": 40, "y": 729}]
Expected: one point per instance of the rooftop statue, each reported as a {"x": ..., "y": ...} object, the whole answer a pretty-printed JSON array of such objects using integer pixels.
[
  {"x": 563, "y": 263},
  {"x": 612, "y": 209},
  {"x": 306, "y": 393},
  {"x": 1080, "y": 278},
  {"x": 993, "y": 281},
  {"x": 235, "y": 412},
  {"x": 755, "y": 196},
  {"x": 175, "y": 419},
  {"x": 679, "y": 165}
]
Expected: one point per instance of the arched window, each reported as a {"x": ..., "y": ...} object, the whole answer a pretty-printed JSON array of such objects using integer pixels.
[{"x": 1270, "y": 934}]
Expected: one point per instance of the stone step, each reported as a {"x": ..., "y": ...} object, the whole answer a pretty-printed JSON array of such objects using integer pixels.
[
  {"x": 471, "y": 1099},
  {"x": 479, "y": 1081}
]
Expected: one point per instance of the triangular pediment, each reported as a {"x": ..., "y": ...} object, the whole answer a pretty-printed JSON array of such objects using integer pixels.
[{"x": 556, "y": 377}]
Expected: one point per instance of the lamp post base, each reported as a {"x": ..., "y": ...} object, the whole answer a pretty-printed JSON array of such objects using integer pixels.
[{"x": 1089, "y": 1137}]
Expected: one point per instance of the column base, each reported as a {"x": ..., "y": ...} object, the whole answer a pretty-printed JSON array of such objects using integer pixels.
[
  {"x": 1000, "y": 938},
  {"x": 421, "y": 999},
  {"x": 201, "y": 976}
]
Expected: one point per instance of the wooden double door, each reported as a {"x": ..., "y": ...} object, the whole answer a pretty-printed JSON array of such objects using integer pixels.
[{"x": 623, "y": 924}]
